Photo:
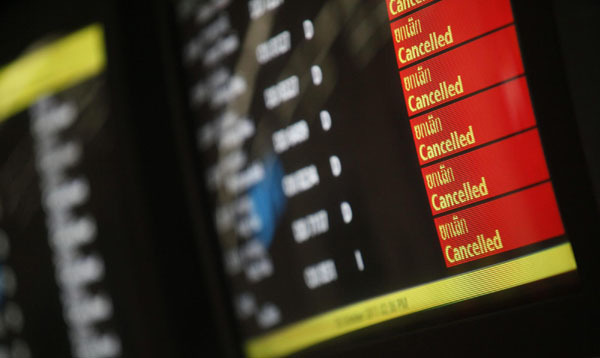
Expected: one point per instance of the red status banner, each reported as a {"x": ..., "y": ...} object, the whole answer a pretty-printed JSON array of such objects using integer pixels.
[
  {"x": 510, "y": 222},
  {"x": 482, "y": 118},
  {"x": 446, "y": 24},
  {"x": 482, "y": 174},
  {"x": 397, "y": 8},
  {"x": 464, "y": 70}
]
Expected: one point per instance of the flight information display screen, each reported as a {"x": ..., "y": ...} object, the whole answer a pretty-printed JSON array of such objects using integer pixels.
[
  {"x": 54, "y": 298},
  {"x": 367, "y": 161}
]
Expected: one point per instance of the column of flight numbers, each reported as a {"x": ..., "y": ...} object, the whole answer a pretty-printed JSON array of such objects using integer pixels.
[
  {"x": 473, "y": 126},
  {"x": 316, "y": 223}
]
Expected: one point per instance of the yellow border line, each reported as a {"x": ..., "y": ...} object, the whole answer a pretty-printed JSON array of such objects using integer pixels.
[
  {"x": 51, "y": 68},
  {"x": 543, "y": 264}
]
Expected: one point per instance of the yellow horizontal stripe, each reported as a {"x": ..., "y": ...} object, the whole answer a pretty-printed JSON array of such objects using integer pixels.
[
  {"x": 51, "y": 68},
  {"x": 520, "y": 271}
]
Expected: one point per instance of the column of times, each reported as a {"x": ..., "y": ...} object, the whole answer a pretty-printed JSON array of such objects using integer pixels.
[{"x": 473, "y": 126}]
